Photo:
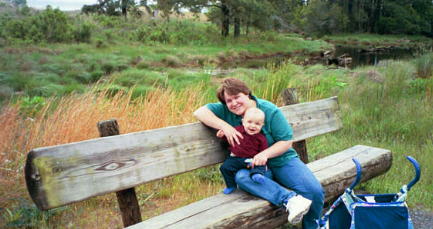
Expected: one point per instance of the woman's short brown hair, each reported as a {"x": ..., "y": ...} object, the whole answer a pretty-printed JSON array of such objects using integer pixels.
[{"x": 232, "y": 86}]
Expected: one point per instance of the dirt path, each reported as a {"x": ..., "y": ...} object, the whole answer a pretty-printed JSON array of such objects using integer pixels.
[{"x": 422, "y": 219}]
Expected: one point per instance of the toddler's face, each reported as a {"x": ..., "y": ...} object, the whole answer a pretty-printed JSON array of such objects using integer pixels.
[{"x": 252, "y": 123}]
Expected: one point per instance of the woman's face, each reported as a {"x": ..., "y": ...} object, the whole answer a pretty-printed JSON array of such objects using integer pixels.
[{"x": 237, "y": 104}]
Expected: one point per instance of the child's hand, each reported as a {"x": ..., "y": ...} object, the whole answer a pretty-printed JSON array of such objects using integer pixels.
[{"x": 220, "y": 134}]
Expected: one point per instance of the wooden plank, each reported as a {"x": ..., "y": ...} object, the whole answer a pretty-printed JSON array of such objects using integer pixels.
[
  {"x": 291, "y": 97},
  {"x": 63, "y": 174},
  {"x": 313, "y": 118},
  {"x": 241, "y": 210}
]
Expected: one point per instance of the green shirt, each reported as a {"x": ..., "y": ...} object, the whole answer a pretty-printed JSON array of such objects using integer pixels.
[{"x": 276, "y": 127}]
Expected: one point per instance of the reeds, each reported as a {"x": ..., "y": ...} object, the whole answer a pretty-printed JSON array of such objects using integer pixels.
[
  {"x": 393, "y": 112},
  {"x": 74, "y": 118}
]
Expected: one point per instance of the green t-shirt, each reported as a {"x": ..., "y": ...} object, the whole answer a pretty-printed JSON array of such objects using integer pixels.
[{"x": 276, "y": 127}]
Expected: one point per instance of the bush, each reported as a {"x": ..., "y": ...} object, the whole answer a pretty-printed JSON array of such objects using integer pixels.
[
  {"x": 176, "y": 32},
  {"x": 82, "y": 32},
  {"x": 50, "y": 25},
  {"x": 321, "y": 17}
]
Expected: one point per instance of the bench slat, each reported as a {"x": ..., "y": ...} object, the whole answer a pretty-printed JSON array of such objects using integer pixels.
[
  {"x": 240, "y": 210},
  {"x": 62, "y": 174}
]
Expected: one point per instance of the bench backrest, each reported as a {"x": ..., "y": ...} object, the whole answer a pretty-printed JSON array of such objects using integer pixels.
[{"x": 63, "y": 174}]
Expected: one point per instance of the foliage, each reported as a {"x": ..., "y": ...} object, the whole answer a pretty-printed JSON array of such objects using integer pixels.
[
  {"x": 394, "y": 114},
  {"x": 109, "y": 7},
  {"x": 321, "y": 17},
  {"x": 19, "y": 2},
  {"x": 82, "y": 32},
  {"x": 27, "y": 215},
  {"x": 389, "y": 16},
  {"x": 178, "y": 32},
  {"x": 30, "y": 106},
  {"x": 50, "y": 25},
  {"x": 398, "y": 19}
]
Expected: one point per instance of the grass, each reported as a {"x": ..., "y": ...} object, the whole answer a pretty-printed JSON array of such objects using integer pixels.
[
  {"x": 60, "y": 91},
  {"x": 59, "y": 69},
  {"x": 73, "y": 118},
  {"x": 384, "y": 106},
  {"x": 375, "y": 40}
]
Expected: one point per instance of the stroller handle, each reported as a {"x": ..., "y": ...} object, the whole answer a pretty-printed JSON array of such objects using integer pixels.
[
  {"x": 358, "y": 173},
  {"x": 417, "y": 172}
]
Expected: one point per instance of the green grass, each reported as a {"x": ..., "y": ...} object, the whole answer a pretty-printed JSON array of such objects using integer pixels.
[
  {"x": 53, "y": 70},
  {"x": 384, "y": 106},
  {"x": 394, "y": 114},
  {"x": 387, "y": 106},
  {"x": 366, "y": 39}
]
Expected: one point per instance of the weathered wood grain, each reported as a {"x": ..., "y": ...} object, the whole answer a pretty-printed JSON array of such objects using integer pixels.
[
  {"x": 291, "y": 97},
  {"x": 63, "y": 174},
  {"x": 126, "y": 199},
  {"x": 240, "y": 210}
]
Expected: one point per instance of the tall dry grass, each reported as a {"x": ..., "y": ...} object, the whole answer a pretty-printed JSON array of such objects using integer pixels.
[{"x": 74, "y": 118}]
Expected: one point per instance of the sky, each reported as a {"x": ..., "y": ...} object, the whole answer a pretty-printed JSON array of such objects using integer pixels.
[{"x": 61, "y": 4}]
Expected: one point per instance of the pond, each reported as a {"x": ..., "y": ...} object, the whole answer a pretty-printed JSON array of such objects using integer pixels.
[
  {"x": 358, "y": 57},
  {"x": 362, "y": 57}
]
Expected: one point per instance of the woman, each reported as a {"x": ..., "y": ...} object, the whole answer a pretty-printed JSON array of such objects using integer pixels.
[{"x": 285, "y": 167}]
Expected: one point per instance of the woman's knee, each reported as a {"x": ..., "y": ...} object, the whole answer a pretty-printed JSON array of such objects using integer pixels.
[{"x": 317, "y": 193}]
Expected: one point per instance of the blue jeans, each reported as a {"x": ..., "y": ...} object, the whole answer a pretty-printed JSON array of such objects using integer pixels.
[
  {"x": 233, "y": 164},
  {"x": 294, "y": 175}
]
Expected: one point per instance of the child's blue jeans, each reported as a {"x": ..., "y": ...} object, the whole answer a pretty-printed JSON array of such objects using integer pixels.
[{"x": 232, "y": 165}]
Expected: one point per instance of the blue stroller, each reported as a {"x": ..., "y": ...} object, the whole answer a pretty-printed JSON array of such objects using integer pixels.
[{"x": 373, "y": 211}]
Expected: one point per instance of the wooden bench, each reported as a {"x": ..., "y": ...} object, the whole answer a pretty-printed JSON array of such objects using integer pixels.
[{"x": 64, "y": 174}]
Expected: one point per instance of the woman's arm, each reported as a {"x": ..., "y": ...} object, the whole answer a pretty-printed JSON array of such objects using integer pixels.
[
  {"x": 206, "y": 116},
  {"x": 275, "y": 150}
]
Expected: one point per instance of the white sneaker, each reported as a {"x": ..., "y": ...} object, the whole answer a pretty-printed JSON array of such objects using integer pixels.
[{"x": 297, "y": 207}]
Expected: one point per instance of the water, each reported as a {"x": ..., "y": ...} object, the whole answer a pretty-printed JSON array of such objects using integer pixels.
[
  {"x": 359, "y": 56},
  {"x": 362, "y": 57}
]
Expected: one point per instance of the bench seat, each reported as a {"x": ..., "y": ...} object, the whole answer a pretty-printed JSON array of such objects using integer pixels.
[{"x": 241, "y": 210}]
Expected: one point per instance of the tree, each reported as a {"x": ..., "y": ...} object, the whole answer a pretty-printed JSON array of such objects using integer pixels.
[
  {"x": 109, "y": 7},
  {"x": 250, "y": 13},
  {"x": 19, "y": 3},
  {"x": 168, "y": 7}
]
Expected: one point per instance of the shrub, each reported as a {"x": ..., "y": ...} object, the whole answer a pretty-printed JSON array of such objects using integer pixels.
[
  {"x": 176, "y": 32},
  {"x": 50, "y": 25},
  {"x": 82, "y": 32}
]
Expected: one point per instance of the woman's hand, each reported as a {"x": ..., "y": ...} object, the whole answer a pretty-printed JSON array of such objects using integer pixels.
[
  {"x": 206, "y": 116},
  {"x": 260, "y": 159},
  {"x": 231, "y": 134}
]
